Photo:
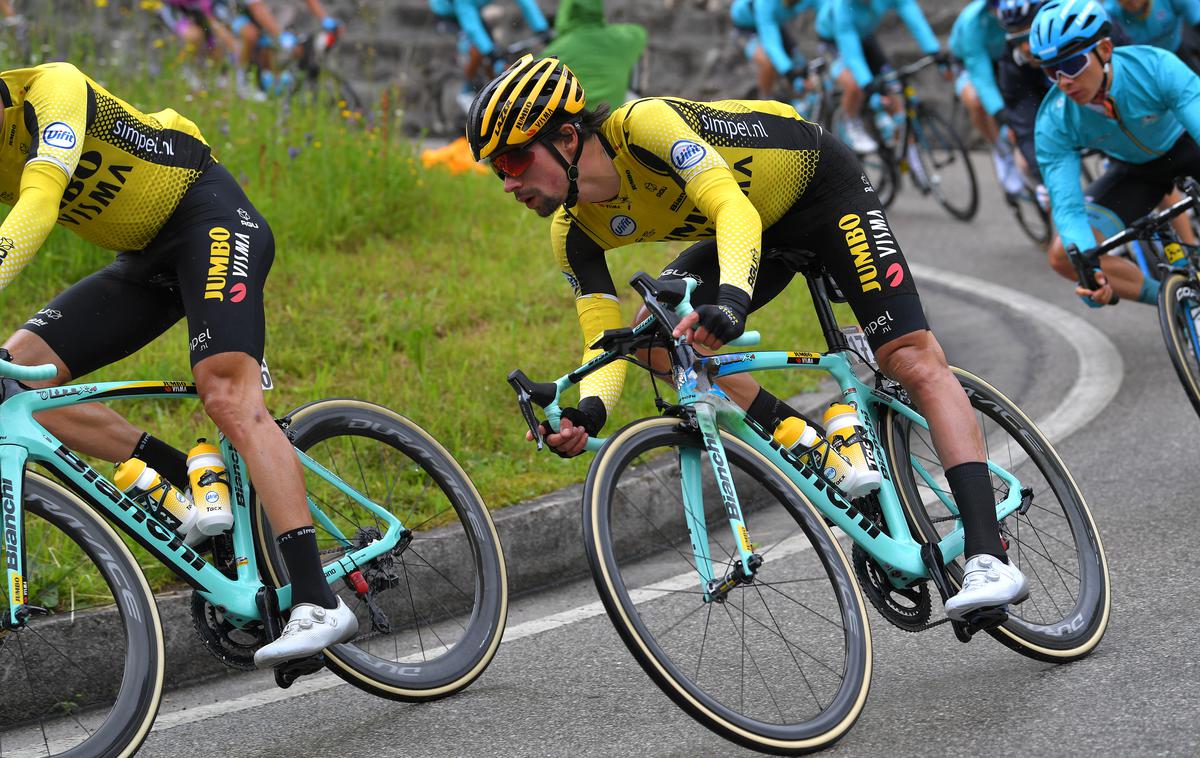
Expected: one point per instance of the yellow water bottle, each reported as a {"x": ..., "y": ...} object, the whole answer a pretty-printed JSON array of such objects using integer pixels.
[
  {"x": 150, "y": 490},
  {"x": 210, "y": 488},
  {"x": 850, "y": 439},
  {"x": 814, "y": 450}
]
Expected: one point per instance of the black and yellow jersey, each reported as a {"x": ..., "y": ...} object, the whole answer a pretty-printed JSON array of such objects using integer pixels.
[
  {"x": 688, "y": 171},
  {"x": 71, "y": 153}
]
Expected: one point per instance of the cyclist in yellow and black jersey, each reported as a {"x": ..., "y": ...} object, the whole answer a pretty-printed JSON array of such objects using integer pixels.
[
  {"x": 189, "y": 243},
  {"x": 741, "y": 178}
]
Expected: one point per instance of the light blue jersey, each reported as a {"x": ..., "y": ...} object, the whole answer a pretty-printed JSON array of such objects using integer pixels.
[
  {"x": 1162, "y": 23},
  {"x": 977, "y": 39},
  {"x": 467, "y": 13},
  {"x": 767, "y": 18},
  {"x": 1153, "y": 97},
  {"x": 846, "y": 22}
]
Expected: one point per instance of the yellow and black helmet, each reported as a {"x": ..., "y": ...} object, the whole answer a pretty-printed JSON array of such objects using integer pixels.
[{"x": 531, "y": 95}]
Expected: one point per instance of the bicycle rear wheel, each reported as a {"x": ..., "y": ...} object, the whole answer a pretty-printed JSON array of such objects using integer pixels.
[
  {"x": 946, "y": 165},
  {"x": 1031, "y": 217},
  {"x": 783, "y": 663},
  {"x": 1178, "y": 311},
  {"x": 436, "y": 605},
  {"x": 1055, "y": 543},
  {"x": 86, "y": 679}
]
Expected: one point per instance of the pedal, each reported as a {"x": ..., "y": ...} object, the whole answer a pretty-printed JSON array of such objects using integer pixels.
[
  {"x": 984, "y": 619},
  {"x": 288, "y": 672}
]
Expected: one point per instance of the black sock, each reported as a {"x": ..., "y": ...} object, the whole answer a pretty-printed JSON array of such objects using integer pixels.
[
  {"x": 299, "y": 548},
  {"x": 971, "y": 485},
  {"x": 769, "y": 410},
  {"x": 166, "y": 460}
]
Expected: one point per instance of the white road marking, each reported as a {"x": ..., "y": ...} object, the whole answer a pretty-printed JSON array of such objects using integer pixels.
[{"x": 1101, "y": 370}]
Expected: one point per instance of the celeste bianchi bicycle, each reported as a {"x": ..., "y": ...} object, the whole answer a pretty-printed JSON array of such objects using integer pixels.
[
  {"x": 403, "y": 534},
  {"x": 712, "y": 546}
]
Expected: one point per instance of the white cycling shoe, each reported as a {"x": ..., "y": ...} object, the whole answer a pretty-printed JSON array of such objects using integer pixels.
[
  {"x": 988, "y": 582},
  {"x": 857, "y": 137},
  {"x": 309, "y": 630}
]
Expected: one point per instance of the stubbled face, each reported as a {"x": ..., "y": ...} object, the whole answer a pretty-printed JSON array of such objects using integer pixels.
[{"x": 543, "y": 186}]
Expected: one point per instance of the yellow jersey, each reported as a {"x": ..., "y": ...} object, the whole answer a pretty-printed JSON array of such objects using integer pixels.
[
  {"x": 688, "y": 171},
  {"x": 74, "y": 154}
]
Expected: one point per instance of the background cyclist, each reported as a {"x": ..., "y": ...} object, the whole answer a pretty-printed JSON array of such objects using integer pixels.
[
  {"x": 849, "y": 26},
  {"x": 1140, "y": 105},
  {"x": 977, "y": 41},
  {"x": 1169, "y": 24},
  {"x": 475, "y": 41},
  {"x": 771, "y": 47}
]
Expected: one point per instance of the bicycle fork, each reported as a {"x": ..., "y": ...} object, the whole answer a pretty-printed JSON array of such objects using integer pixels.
[
  {"x": 12, "y": 511},
  {"x": 715, "y": 589}
]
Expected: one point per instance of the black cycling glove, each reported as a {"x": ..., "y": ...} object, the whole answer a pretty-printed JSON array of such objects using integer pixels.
[
  {"x": 727, "y": 319},
  {"x": 590, "y": 415}
]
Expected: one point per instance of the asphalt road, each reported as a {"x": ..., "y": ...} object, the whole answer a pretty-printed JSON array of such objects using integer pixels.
[{"x": 573, "y": 689}]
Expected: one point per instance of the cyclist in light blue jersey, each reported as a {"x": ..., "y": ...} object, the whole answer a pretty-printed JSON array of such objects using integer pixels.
[
  {"x": 1161, "y": 23},
  {"x": 849, "y": 25},
  {"x": 771, "y": 48},
  {"x": 1139, "y": 105},
  {"x": 475, "y": 40},
  {"x": 977, "y": 41}
]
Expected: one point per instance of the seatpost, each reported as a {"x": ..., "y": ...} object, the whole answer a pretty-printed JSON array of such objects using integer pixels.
[{"x": 829, "y": 326}]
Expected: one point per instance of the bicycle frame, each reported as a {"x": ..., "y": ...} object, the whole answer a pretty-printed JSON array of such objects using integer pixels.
[
  {"x": 896, "y": 550},
  {"x": 24, "y": 439}
]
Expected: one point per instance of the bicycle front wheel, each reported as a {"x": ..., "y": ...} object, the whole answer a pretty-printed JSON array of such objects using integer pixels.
[
  {"x": 86, "y": 679},
  {"x": 945, "y": 165},
  {"x": 781, "y": 664},
  {"x": 438, "y": 604},
  {"x": 1055, "y": 542},
  {"x": 1178, "y": 311},
  {"x": 1031, "y": 217}
]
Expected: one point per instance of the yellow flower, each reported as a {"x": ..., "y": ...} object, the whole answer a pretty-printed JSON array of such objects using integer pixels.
[{"x": 101, "y": 3}]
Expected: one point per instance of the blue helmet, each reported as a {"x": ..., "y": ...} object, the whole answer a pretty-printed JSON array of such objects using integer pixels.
[
  {"x": 1018, "y": 14},
  {"x": 1063, "y": 28}
]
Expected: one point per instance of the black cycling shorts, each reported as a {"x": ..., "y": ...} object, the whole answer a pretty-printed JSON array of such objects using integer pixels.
[
  {"x": 841, "y": 221},
  {"x": 1131, "y": 190},
  {"x": 209, "y": 262}
]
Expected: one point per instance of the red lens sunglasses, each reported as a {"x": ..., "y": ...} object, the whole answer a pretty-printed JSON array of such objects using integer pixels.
[{"x": 513, "y": 163}]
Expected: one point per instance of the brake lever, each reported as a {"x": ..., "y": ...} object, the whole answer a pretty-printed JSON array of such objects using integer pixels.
[{"x": 525, "y": 402}]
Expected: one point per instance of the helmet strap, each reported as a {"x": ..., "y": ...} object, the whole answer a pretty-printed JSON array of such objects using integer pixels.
[{"x": 571, "y": 168}]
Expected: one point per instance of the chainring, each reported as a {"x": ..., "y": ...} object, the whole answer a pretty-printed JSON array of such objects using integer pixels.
[
  {"x": 908, "y": 608},
  {"x": 231, "y": 645}
]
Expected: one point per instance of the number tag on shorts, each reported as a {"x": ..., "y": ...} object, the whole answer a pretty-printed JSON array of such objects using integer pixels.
[
  {"x": 857, "y": 339},
  {"x": 267, "y": 382}
]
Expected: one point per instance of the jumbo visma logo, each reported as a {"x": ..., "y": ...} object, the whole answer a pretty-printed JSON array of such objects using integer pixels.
[{"x": 59, "y": 135}]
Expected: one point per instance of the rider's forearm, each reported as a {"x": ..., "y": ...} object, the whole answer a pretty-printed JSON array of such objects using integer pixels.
[
  {"x": 32, "y": 218},
  {"x": 597, "y": 314},
  {"x": 739, "y": 227},
  {"x": 914, "y": 19},
  {"x": 770, "y": 37}
]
